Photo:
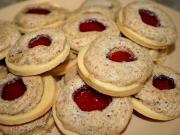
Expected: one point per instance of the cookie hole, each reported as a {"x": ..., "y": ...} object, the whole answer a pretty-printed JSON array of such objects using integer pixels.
[
  {"x": 118, "y": 55},
  {"x": 88, "y": 99},
  {"x": 13, "y": 89},
  {"x": 91, "y": 25},
  {"x": 39, "y": 11},
  {"x": 40, "y": 40},
  {"x": 149, "y": 17},
  {"x": 163, "y": 82}
]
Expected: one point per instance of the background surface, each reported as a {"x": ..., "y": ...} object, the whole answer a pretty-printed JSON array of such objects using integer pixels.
[{"x": 175, "y": 4}]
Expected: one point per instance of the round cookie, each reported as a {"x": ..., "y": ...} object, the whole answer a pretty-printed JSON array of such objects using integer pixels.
[
  {"x": 24, "y": 99},
  {"x": 80, "y": 110},
  {"x": 37, "y": 52},
  {"x": 64, "y": 67},
  {"x": 112, "y": 5},
  {"x": 82, "y": 29},
  {"x": 114, "y": 65},
  {"x": 146, "y": 24},
  {"x": 38, "y": 16},
  {"x": 160, "y": 97},
  {"x": 40, "y": 126},
  {"x": 9, "y": 35}
]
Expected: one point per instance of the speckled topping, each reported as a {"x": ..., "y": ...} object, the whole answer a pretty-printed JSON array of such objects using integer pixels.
[
  {"x": 31, "y": 97},
  {"x": 78, "y": 39},
  {"x": 162, "y": 101},
  {"x": 164, "y": 34},
  {"x": 110, "y": 121},
  {"x": 117, "y": 73},
  {"x": 25, "y": 20},
  {"x": 30, "y": 128},
  {"x": 112, "y": 5},
  {"x": 21, "y": 54},
  {"x": 8, "y": 35}
]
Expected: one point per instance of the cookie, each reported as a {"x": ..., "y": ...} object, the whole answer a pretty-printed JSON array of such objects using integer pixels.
[
  {"x": 160, "y": 97},
  {"x": 40, "y": 126},
  {"x": 82, "y": 29},
  {"x": 158, "y": 55},
  {"x": 9, "y": 35},
  {"x": 80, "y": 110},
  {"x": 3, "y": 71},
  {"x": 38, "y": 16},
  {"x": 38, "y": 52},
  {"x": 114, "y": 65},
  {"x": 71, "y": 73},
  {"x": 96, "y": 9},
  {"x": 112, "y": 5},
  {"x": 64, "y": 67},
  {"x": 24, "y": 99},
  {"x": 147, "y": 24}
]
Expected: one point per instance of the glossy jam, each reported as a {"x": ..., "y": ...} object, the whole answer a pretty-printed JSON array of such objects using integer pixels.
[
  {"x": 163, "y": 82},
  {"x": 40, "y": 40},
  {"x": 121, "y": 56},
  {"x": 91, "y": 25},
  {"x": 149, "y": 17},
  {"x": 88, "y": 99},
  {"x": 13, "y": 89},
  {"x": 38, "y": 11}
]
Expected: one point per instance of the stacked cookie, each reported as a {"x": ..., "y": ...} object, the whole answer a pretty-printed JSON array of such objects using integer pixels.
[
  {"x": 93, "y": 65},
  {"x": 27, "y": 94}
]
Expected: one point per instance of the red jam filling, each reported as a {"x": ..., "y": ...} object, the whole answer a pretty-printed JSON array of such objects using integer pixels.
[
  {"x": 121, "y": 56},
  {"x": 163, "y": 82},
  {"x": 89, "y": 100},
  {"x": 149, "y": 17},
  {"x": 39, "y": 11},
  {"x": 13, "y": 89},
  {"x": 40, "y": 40},
  {"x": 91, "y": 25}
]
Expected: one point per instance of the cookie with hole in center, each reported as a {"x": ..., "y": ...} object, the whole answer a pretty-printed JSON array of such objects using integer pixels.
[
  {"x": 160, "y": 96},
  {"x": 82, "y": 29},
  {"x": 38, "y": 52},
  {"x": 9, "y": 35},
  {"x": 148, "y": 25},
  {"x": 114, "y": 65},
  {"x": 38, "y": 16},
  {"x": 81, "y": 110},
  {"x": 24, "y": 99},
  {"x": 40, "y": 126}
]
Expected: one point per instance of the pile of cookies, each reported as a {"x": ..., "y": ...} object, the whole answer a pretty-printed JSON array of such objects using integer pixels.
[{"x": 86, "y": 70}]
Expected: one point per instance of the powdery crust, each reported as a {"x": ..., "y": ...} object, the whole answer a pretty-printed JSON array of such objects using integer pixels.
[
  {"x": 21, "y": 54},
  {"x": 110, "y": 121},
  {"x": 117, "y": 73},
  {"x": 162, "y": 101},
  {"x": 79, "y": 39},
  {"x": 31, "y": 97},
  {"x": 34, "y": 20},
  {"x": 8, "y": 35},
  {"x": 30, "y": 128},
  {"x": 112, "y": 5},
  {"x": 165, "y": 34}
]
